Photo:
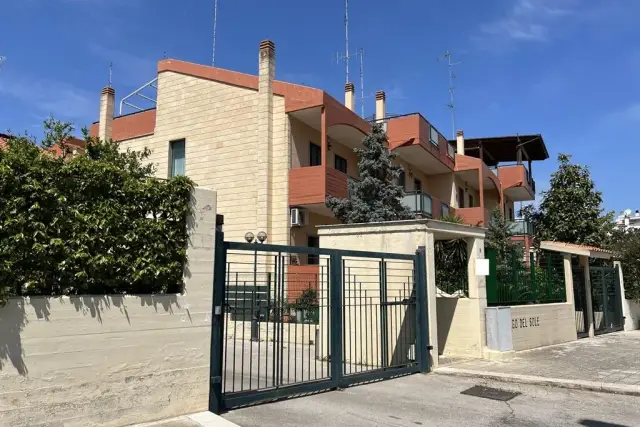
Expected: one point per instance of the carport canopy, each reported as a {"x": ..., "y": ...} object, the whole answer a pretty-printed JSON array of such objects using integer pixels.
[{"x": 575, "y": 249}]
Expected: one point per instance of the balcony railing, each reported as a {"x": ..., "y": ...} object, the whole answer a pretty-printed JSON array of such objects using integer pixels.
[
  {"x": 521, "y": 228},
  {"x": 418, "y": 202},
  {"x": 451, "y": 150}
]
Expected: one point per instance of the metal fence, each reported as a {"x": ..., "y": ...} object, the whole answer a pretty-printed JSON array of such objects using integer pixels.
[{"x": 512, "y": 281}]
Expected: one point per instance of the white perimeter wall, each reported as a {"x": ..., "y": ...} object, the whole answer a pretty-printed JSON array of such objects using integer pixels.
[
  {"x": 112, "y": 360},
  {"x": 544, "y": 324},
  {"x": 459, "y": 331},
  {"x": 631, "y": 312}
]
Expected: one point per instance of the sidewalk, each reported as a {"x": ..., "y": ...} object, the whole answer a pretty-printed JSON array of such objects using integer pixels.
[
  {"x": 608, "y": 363},
  {"x": 201, "y": 419}
]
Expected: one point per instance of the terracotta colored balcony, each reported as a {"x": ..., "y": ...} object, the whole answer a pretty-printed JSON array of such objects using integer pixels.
[
  {"x": 312, "y": 185},
  {"x": 420, "y": 144},
  {"x": 517, "y": 183},
  {"x": 474, "y": 216}
]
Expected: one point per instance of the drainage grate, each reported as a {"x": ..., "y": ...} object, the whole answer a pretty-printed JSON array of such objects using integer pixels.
[{"x": 490, "y": 393}]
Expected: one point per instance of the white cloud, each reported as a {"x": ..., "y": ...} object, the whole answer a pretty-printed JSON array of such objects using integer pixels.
[
  {"x": 47, "y": 96},
  {"x": 525, "y": 21}
]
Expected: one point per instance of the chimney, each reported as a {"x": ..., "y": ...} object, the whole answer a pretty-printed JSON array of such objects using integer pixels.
[
  {"x": 349, "y": 96},
  {"x": 107, "y": 105},
  {"x": 381, "y": 111},
  {"x": 460, "y": 142},
  {"x": 266, "y": 75}
]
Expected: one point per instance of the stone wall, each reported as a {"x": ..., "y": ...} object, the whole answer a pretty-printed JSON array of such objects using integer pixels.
[
  {"x": 631, "y": 311},
  {"x": 459, "y": 333},
  {"x": 112, "y": 360},
  {"x": 544, "y": 324}
]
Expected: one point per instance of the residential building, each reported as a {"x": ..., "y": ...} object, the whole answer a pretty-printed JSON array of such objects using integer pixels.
[
  {"x": 627, "y": 220},
  {"x": 74, "y": 145},
  {"x": 275, "y": 150}
]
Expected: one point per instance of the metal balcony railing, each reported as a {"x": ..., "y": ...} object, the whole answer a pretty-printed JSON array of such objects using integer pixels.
[
  {"x": 451, "y": 150},
  {"x": 418, "y": 202},
  {"x": 521, "y": 228}
]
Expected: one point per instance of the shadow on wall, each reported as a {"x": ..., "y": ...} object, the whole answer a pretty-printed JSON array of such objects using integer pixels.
[
  {"x": 13, "y": 319},
  {"x": 445, "y": 309}
]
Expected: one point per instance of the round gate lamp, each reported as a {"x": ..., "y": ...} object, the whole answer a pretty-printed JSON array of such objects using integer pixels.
[
  {"x": 249, "y": 237},
  {"x": 262, "y": 236}
]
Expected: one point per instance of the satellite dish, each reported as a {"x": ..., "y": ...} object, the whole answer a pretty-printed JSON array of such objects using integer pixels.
[{"x": 627, "y": 212}]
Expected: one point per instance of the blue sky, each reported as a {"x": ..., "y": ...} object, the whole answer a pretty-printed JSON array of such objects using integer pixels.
[{"x": 567, "y": 69}]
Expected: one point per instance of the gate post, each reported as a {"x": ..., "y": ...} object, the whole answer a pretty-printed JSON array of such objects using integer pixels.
[
  {"x": 336, "y": 324},
  {"x": 422, "y": 326},
  {"x": 217, "y": 325},
  {"x": 590, "y": 325}
]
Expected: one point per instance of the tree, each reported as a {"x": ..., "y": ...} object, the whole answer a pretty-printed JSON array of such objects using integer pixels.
[
  {"x": 626, "y": 248},
  {"x": 376, "y": 197},
  {"x": 571, "y": 209},
  {"x": 499, "y": 234}
]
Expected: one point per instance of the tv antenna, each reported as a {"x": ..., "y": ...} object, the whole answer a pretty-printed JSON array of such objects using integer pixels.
[
  {"x": 346, "y": 55},
  {"x": 452, "y": 103},
  {"x": 362, "y": 82},
  {"x": 2, "y": 59},
  {"x": 215, "y": 24},
  {"x": 110, "y": 73}
]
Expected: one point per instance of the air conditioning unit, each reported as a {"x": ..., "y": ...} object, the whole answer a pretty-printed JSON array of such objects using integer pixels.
[{"x": 298, "y": 217}]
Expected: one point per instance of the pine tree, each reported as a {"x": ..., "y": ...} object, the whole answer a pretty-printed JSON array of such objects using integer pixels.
[
  {"x": 571, "y": 210},
  {"x": 376, "y": 197}
]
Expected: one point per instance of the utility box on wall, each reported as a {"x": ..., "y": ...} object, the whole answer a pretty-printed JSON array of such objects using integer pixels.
[{"x": 499, "y": 337}]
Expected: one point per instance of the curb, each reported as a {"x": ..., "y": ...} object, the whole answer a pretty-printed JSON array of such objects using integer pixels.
[
  {"x": 626, "y": 389},
  {"x": 204, "y": 419}
]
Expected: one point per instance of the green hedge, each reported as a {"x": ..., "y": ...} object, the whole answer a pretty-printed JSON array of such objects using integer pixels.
[{"x": 94, "y": 223}]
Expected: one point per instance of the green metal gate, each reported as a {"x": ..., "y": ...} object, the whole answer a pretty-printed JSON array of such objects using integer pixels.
[
  {"x": 353, "y": 317},
  {"x": 580, "y": 302},
  {"x": 607, "y": 302}
]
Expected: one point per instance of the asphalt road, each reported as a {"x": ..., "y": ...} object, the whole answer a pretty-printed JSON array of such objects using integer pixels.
[{"x": 434, "y": 400}]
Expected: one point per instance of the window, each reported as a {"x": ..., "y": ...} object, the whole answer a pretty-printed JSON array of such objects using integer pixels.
[
  {"x": 460, "y": 197},
  {"x": 315, "y": 154},
  {"x": 176, "y": 157},
  {"x": 433, "y": 136},
  {"x": 340, "y": 164},
  {"x": 471, "y": 205},
  {"x": 417, "y": 185},
  {"x": 402, "y": 179},
  {"x": 313, "y": 242}
]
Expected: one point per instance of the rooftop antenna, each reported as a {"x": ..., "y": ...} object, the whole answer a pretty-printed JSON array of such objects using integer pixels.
[
  {"x": 346, "y": 56},
  {"x": 452, "y": 104},
  {"x": 215, "y": 24},
  {"x": 362, "y": 82},
  {"x": 110, "y": 73},
  {"x": 2, "y": 59}
]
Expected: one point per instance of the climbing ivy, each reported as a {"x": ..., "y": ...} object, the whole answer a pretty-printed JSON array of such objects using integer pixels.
[{"x": 94, "y": 222}]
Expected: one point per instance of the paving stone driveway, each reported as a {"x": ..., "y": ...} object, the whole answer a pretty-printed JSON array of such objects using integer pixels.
[{"x": 612, "y": 358}]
